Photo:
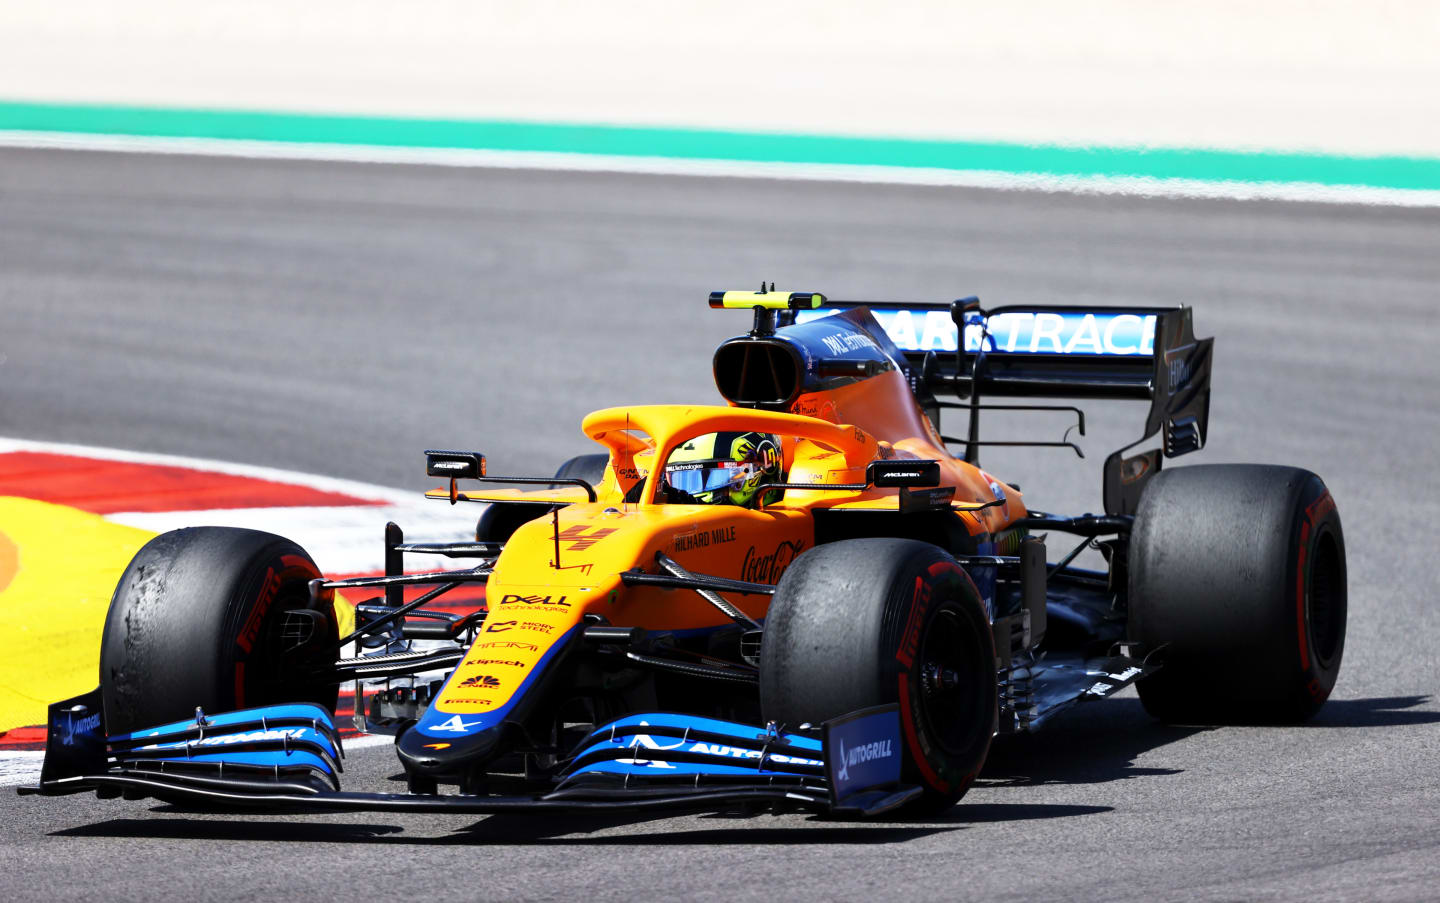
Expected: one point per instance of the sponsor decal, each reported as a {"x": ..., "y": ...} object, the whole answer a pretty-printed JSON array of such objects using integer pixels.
[
  {"x": 469, "y": 701},
  {"x": 276, "y": 733},
  {"x": 863, "y": 751},
  {"x": 582, "y": 568},
  {"x": 818, "y": 407},
  {"x": 1320, "y": 507},
  {"x": 483, "y": 681},
  {"x": 73, "y": 726},
  {"x": 580, "y": 539},
  {"x": 1178, "y": 363},
  {"x": 844, "y": 342},
  {"x": 910, "y": 638},
  {"x": 699, "y": 539},
  {"x": 437, "y": 745},
  {"x": 740, "y": 752},
  {"x": 555, "y": 601},
  {"x": 251, "y": 630},
  {"x": 494, "y": 661},
  {"x": 859, "y": 755},
  {"x": 456, "y": 723},
  {"x": 999, "y": 493},
  {"x": 506, "y": 644},
  {"x": 719, "y": 750},
  {"x": 1111, "y": 682},
  {"x": 645, "y": 741},
  {"x": 530, "y": 626},
  {"x": 758, "y": 568},
  {"x": 1018, "y": 331}
]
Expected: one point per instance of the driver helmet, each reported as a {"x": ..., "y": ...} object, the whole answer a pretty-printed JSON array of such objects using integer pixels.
[{"x": 726, "y": 468}]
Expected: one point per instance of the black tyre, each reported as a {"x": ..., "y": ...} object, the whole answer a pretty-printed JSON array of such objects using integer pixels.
[
  {"x": 499, "y": 522},
  {"x": 865, "y": 622},
  {"x": 1237, "y": 584},
  {"x": 590, "y": 468},
  {"x": 199, "y": 619}
]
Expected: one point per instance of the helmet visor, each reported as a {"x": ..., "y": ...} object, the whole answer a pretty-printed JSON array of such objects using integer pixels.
[{"x": 698, "y": 477}]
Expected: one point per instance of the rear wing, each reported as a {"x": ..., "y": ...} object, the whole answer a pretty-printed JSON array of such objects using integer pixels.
[{"x": 1048, "y": 351}]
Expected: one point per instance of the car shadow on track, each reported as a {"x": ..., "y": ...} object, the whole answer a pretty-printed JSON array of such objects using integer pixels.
[
  {"x": 1093, "y": 743},
  {"x": 510, "y": 830},
  {"x": 1382, "y": 711}
]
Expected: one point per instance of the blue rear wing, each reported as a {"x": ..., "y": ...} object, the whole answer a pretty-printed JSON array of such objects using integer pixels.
[
  {"x": 1055, "y": 352},
  {"x": 1052, "y": 351}
]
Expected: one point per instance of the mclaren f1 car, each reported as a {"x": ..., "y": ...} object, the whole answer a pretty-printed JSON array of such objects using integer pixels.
[{"x": 800, "y": 599}]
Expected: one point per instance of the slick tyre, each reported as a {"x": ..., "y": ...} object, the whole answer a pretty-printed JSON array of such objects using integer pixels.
[
  {"x": 590, "y": 468},
  {"x": 199, "y": 618},
  {"x": 867, "y": 622},
  {"x": 1238, "y": 589}
]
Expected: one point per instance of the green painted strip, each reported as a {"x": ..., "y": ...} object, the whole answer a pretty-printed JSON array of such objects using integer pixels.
[{"x": 708, "y": 144}]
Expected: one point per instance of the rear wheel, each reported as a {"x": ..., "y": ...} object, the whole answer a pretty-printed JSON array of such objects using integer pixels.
[
  {"x": 199, "y": 618},
  {"x": 867, "y": 622},
  {"x": 1237, "y": 585}
]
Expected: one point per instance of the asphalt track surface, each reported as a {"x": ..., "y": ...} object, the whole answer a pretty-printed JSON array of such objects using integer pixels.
[{"x": 338, "y": 318}]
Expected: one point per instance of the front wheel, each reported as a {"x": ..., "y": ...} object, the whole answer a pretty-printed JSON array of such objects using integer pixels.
[
  {"x": 866, "y": 622},
  {"x": 214, "y": 617}
]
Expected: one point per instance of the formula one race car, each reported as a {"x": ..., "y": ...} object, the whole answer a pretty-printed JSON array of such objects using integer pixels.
[{"x": 800, "y": 600}]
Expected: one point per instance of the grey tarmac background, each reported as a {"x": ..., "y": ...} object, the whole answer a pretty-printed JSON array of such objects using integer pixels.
[{"x": 339, "y": 318}]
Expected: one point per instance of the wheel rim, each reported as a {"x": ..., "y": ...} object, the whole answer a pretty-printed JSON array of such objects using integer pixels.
[{"x": 950, "y": 698}]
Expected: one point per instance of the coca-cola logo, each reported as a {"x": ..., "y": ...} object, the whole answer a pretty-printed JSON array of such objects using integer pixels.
[{"x": 758, "y": 568}]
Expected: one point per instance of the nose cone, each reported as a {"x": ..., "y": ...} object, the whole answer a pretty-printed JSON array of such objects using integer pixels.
[
  {"x": 450, "y": 752},
  {"x": 505, "y": 672}
]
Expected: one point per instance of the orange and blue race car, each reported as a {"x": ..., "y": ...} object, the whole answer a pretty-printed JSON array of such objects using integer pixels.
[{"x": 801, "y": 599}]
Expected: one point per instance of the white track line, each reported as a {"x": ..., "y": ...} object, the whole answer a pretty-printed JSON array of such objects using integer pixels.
[{"x": 886, "y": 175}]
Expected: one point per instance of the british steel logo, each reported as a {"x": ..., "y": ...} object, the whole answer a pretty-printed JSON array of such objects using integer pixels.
[{"x": 529, "y": 626}]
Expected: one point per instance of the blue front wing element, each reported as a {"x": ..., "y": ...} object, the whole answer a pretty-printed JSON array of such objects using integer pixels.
[
  {"x": 291, "y": 742},
  {"x": 662, "y": 746},
  {"x": 288, "y": 756}
]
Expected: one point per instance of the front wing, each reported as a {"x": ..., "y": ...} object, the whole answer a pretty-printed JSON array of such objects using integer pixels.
[{"x": 288, "y": 757}]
